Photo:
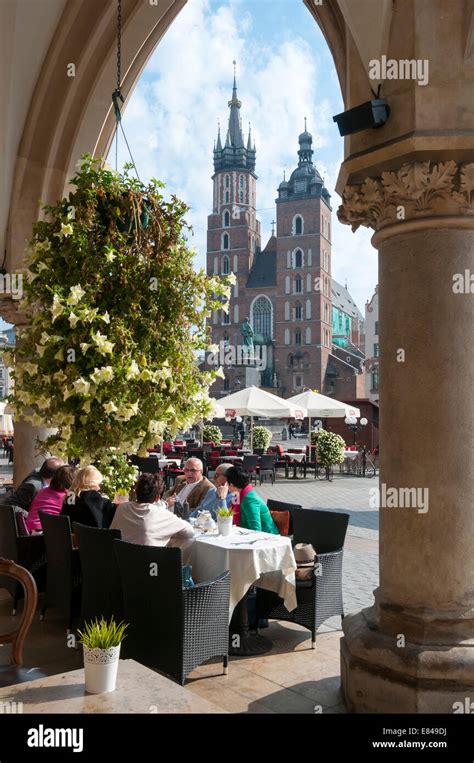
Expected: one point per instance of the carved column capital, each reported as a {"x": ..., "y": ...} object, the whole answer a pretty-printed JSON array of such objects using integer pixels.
[{"x": 415, "y": 191}]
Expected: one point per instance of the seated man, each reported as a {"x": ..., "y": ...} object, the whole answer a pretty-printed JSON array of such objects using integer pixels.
[
  {"x": 147, "y": 520},
  {"x": 190, "y": 487},
  {"x": 31, "y": 485},
  {"x": 217, "y": 497}
]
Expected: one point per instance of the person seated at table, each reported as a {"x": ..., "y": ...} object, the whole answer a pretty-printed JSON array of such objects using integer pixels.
[
  {"x": 50, "y": 499},
  {"x": 31, "y": 485},
  {"x": 254, "y": 513},
  {"x": 147, "y": 520},
  {"x": 84, "y": 503},
  {"x": 219, "y": 496},
  {"x": 190, "y": 487}
]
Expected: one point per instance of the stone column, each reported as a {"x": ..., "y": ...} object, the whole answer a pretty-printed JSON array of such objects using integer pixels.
[{"x": 413, "y": 650}]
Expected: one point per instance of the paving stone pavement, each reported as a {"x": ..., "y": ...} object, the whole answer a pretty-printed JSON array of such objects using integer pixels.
[{"x": 351, "y": 495}]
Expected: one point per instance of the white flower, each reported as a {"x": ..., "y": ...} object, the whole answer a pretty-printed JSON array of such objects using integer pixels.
[
  {"x": 44, "y": 338},
  {"x": 59, "y": 376},
  {"x": 132, "y": 371},
  {"x": 155, "y": 427},
  {"x": 57, "y": 308},
  {"x": 87, "y": 406},
  {"x": 146, "y": 375},
  {"x": 68, "y": 393},
  {"x": 30, "y": 276},
  {"x": 76, "y": 294},
  {"x": 30, "y": 368},
  {"x": 73, "y": 320},
  {"x": 110, "y": 407},
  {"x": 105, "y": 317},
  {"x": 43, "y": 246},
  {"x": 41, "y": 266},
  {"x": 213, "y": 348},
  {"x": 91, "y": 315},
  {"x": 104, "y": 374},
  {"x": 220, "y": 373},
  {"x": 110, "y": 256},
  {"x": 103, "y": 345},
  {"x": 59, "y": 355},
  {"x": 225, "y": 307},
  {"x": 84, "y": 347},
  {"x": 82, "y": 386},
  {"x": 40, "y": 350},
  {"x": 232, "y": 278},
  {"x": 66, "y": 230}
]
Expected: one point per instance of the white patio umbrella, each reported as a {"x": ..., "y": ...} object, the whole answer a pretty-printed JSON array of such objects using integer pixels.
[
  {"x": 320, "y": 406},
  {"x": 253, "y": 401}
]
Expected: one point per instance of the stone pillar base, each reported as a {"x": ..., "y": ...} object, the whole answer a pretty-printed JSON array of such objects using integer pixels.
[{"x": 377, "y": 676}]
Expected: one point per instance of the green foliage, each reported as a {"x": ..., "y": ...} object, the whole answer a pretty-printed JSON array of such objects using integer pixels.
[
  {"x": 102, "y": 634},
  {"x": 212, "y": 433},
  {"x": 224, "y": 512},
  {"x": 261, "y": 437},
  {"x": 119, "y": 474},
  {"x": 330, "y": 445},
  {"x": 116, "y": 314}
]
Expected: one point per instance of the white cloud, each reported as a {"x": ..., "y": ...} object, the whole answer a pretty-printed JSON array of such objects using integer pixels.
[{"x": 171, "y": 120}]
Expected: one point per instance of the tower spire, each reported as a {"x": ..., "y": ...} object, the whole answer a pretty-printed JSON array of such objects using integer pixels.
[
  {"x": 235, "y": 132},
  {"x": 219, "y": 142}
]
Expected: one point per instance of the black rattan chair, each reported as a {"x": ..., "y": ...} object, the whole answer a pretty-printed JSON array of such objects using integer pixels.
[
  {"x": 26, "y": 550},
  {"x": 172, "y": 629},
  {"x": 101, "y": 584},
  {"x": 321, "y": 597},
  {"x": 266, "y": 465},
  {"x": 249, "y": 464},
  {"x": 63, "y": 583}
]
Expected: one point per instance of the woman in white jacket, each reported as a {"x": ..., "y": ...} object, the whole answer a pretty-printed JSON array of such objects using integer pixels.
[{"x": 148, "y": 521}]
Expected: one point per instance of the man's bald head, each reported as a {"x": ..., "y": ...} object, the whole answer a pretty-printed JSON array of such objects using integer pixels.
[
  {"x": 49, "y": 467},
  {"x": 193, "y": 469}
]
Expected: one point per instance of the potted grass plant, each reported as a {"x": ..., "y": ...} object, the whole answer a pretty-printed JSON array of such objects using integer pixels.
[
  {"x": 101, "y": 640},
  {"x": 224, "y": 520}
]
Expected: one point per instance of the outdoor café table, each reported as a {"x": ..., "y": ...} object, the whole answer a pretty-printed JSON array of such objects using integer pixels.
[
  {"x": 295, "y": 459},
  {"x": 166, "y": 461},
  {"x": 225, "y": 459},
  {"x": 252, "y": 557}
]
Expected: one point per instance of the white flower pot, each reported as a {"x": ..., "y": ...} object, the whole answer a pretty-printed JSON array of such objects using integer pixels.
[
  {"x": 224, "y": 525},
  {"x": 100, "y": 669}
]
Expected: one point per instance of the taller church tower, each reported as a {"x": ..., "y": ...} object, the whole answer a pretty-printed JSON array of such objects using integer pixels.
[{"x": 233, "y": 231}]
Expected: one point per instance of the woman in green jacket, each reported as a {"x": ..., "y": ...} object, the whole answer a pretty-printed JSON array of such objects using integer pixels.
[{"x": 254, "y": 513}]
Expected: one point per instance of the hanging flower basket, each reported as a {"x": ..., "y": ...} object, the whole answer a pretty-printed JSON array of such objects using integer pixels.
[{"x": 117, "y": 313}]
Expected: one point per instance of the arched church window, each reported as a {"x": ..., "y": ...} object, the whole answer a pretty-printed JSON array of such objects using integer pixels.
[
  {"x": 241, "y": 197},
  {"x": 225, "y": 266},
  {"x": 241, "y": 181},
  {"x": 262, "y": 317},
  {"x": 227, "y": 181},
  {"x": 297, "y": 336},
  {"x": 298, "y": 285},
  {"x": 298, "y": 225},
  {"x": 225, "y": 241},
  {"x": 298, "y": 258},
  {"x": 298, "y": 314},
  {"x": 226, "y": 218}
]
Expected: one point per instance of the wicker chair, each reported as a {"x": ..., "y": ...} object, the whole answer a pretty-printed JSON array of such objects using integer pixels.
[
  {"x": 14, "y": 673},
  {"x": 172, "y": 628},
  {"x": 63, "y": 584},
  {"x": 321, "y": 597},
  {"x": 26, "y": 550},
  {"x": 101, "y": 584}
]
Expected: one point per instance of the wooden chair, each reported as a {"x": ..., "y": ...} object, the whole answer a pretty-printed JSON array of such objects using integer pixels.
[{"x": 12, "y": 674}]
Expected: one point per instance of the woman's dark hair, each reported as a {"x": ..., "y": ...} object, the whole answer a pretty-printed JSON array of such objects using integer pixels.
[
  {"x": 238, "y": 477},
  {"x": 63, "y": 478},
  {"x": 148, "y": 488}
]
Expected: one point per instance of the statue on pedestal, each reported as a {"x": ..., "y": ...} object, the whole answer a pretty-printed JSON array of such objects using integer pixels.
[{"x": 247, "y": 334}]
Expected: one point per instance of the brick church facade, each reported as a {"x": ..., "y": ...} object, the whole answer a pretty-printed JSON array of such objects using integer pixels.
[{"x": 284, "y": 288}]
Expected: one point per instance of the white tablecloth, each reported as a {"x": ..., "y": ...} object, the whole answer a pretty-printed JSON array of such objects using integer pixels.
[
  {"x": 296, "y": 456},
  {"x": 269, "y": 563},
  {"x": 165, "y": 461},
  {"x": 352, "y": 454}
]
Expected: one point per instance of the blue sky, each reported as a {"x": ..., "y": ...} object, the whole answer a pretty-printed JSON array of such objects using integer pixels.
[{"x": 284, "y": 73}]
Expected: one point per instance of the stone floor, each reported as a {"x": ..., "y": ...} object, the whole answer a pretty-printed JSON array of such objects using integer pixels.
[{"x": 292, "y": 678}]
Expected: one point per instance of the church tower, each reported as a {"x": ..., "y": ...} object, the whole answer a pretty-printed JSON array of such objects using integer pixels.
[
  {"x": 303, "y": 303},
  {"x": 233, "y": 231}
]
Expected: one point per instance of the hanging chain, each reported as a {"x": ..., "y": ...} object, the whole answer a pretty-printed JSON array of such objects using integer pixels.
[{"x": 119, "y": 43}]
